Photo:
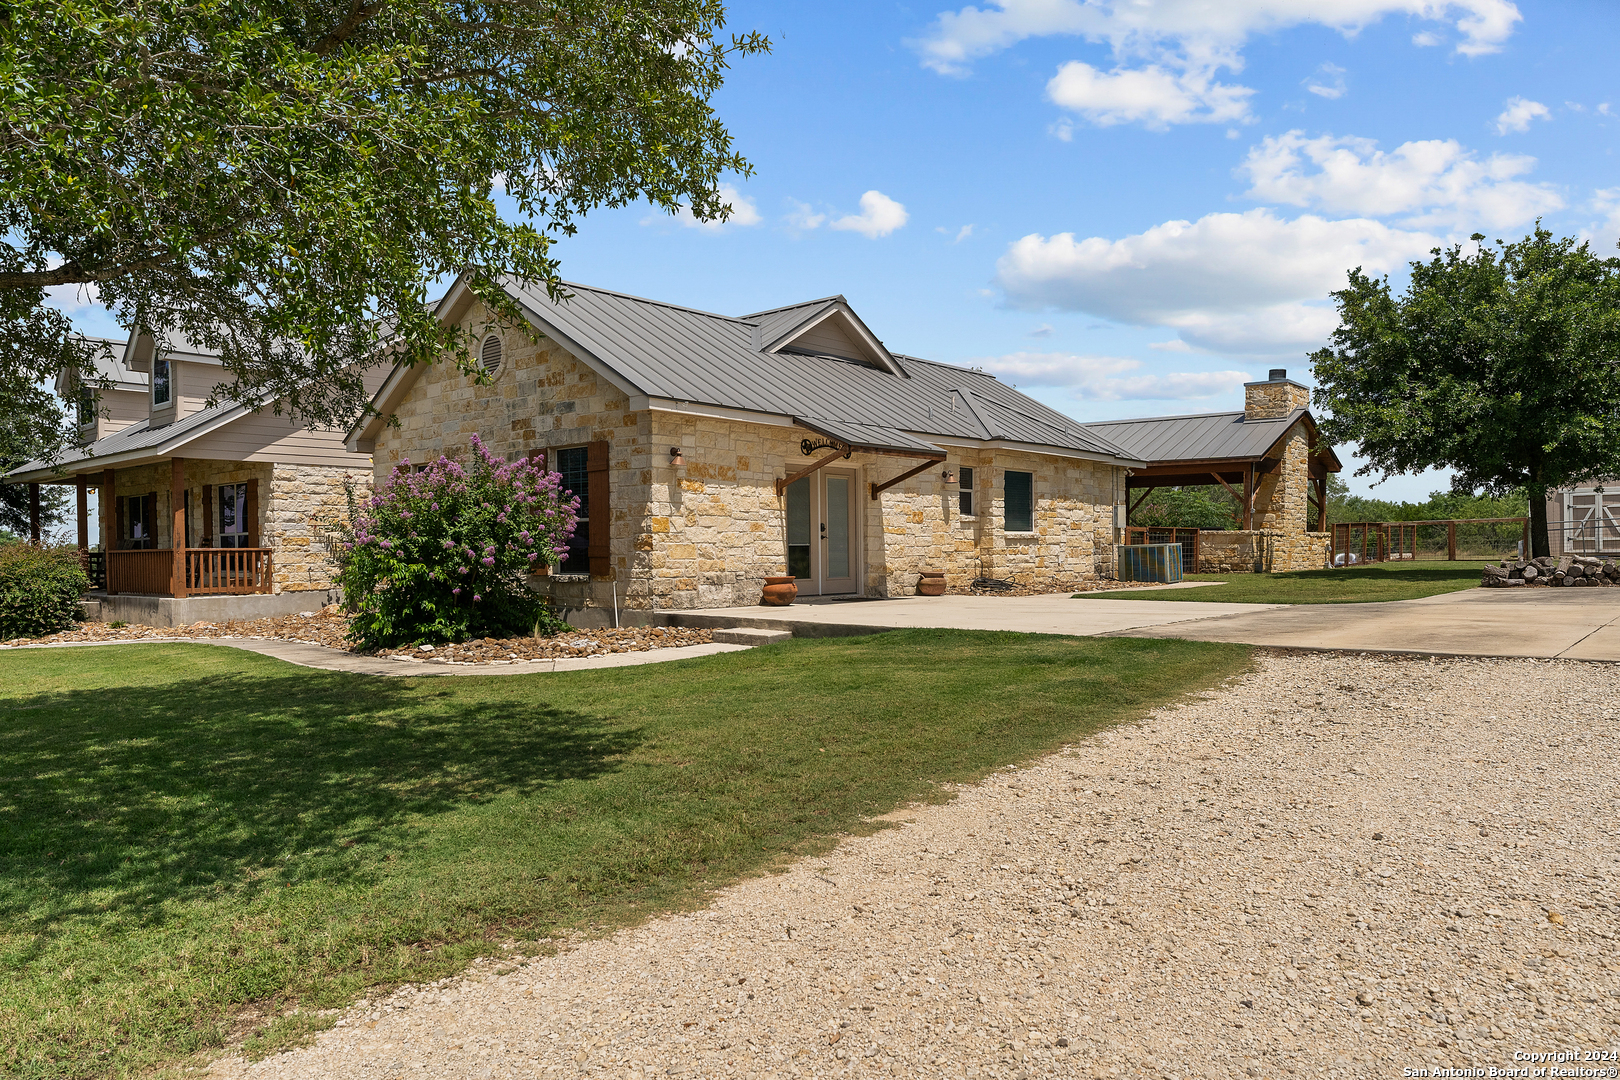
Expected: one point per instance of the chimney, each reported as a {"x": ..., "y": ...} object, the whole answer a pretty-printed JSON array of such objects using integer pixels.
[{"x": 1275, "y": 398}]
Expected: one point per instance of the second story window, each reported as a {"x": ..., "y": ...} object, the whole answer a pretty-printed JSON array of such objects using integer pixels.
[
  {"x": 160, "y": 382},
  {"x": 87, "y": 406}
]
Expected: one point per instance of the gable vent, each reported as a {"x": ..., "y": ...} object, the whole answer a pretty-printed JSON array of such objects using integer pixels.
[{"x": 490, "y": 355}]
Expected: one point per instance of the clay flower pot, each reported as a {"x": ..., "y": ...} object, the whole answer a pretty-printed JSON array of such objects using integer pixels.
[
  {"x": 931, "y": 583},
  {"x": 779, "y": 591}
]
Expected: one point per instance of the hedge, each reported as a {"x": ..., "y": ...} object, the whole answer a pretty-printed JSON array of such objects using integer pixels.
[{"x": 40, "y": 589}]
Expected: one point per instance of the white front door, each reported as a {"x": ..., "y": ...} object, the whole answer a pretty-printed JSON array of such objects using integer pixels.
[{"x": 823, "y": 534}]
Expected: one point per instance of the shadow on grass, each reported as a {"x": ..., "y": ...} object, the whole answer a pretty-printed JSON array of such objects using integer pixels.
[{"x": 114, "y": 803}]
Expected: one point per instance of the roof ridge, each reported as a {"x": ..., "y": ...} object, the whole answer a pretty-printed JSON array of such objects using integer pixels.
[
  {"x": 1175, "y": 416},
  {"x": 836, "y": 298},
  {"x": 654, "y": 303},
  {"x": 954, "y": 367}
]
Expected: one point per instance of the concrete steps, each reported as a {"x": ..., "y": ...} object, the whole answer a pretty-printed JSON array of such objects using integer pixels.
[
  {"x": 698, "y": 620},
  {"x": 748, "y": 635}
]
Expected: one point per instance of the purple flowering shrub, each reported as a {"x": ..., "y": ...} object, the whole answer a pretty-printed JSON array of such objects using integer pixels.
[{"x": 441, "y": 554}]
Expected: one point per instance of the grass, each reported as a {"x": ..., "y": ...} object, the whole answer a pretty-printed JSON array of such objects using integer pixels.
[
  {"x": 1369, "y": 584},
  {"x": 191, "y": 835}
]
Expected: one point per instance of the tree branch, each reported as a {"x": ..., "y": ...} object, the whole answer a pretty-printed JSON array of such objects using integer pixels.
[{"x": 359, "y": 14}]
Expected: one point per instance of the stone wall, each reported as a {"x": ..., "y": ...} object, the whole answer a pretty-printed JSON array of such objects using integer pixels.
[
  {"x": 306, "y": 504},
  {"x": 1260, "y": 551}
]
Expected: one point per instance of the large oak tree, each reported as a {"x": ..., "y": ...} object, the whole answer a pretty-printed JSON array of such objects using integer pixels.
[
  {"x": 285, "y": 182},
  {"x": 1501, "y": 363}
]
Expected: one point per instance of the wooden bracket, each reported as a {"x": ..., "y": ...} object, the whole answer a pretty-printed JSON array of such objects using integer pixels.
[
  {"x": 878, "y": 489},
  {"x": 783, "y": 482}
]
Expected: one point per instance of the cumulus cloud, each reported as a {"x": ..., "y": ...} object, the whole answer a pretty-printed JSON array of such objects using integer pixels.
[
  {"x": 743, "y": 212},
  {"x": 961, "y": 234},
  {"x": 1328, "y": 82},
  {"x": 1110, "y": 378},
  {"x": 1430, "y": 183},
  {"x": 803, "y": 217},
  {"x": 1519, "y": 114},
  {"x": 1153, "y": 96},
  {"x": 879, "y": 216},
  {"x": 1190, "y": 27},
  {"x": 1250, "y": 283},
  {"x": 74, "y": 298}
]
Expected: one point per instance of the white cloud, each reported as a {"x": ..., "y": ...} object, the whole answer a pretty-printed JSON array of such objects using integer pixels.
[
  {"x": 1110, "y": 378},
  {"x": 1328, "y": 82},
  {"x": 879, "y": 216},
  {"x": 1426, "y": 39},
  {"x": 1193, "y": 28},
  {"x": 1250, "y": 283},
  {"x": 743, "y": 212},
  {"x": 1062, "y": 129},
  {"x": 1603, "y": 110},
  {"x": 1430, "y": 183},
  {"x": 1173, "y": 345},
  {"x": 803, "y": 216},
  {"x": 1519, "y": 113},
  {"x": 74, "y": 299},
  {"x": 1153, "y": 96}
]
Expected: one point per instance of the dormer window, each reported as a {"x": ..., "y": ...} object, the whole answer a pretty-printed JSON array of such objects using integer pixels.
[
  {"x": 87, "y": 406},
  {"x": 160, "y": 382}
]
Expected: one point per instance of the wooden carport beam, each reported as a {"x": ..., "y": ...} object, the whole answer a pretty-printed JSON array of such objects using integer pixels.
[
  {"x": 782, "y": 484},
  {"x": 878, "y": 489},
  {"x": 1137, "y": 505}
]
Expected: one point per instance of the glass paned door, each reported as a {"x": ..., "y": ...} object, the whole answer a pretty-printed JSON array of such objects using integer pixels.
[
  {"x": 798, "y": 532},
  {"x": 838, "y": 539}
]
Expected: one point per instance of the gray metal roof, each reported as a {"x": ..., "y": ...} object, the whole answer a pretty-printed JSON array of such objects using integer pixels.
[
  {"x": 682, "y": 354},
  {"x": 137, "y": 436},
  {"x": 868, "y": 436},
  {"x": 1203, "y": 437}
]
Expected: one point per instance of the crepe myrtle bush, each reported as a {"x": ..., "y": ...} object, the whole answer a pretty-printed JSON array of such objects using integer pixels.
[{"x": 441, "y": 552}]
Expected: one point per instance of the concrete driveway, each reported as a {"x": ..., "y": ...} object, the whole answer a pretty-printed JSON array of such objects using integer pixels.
[{"x": 1574, "y": 624}]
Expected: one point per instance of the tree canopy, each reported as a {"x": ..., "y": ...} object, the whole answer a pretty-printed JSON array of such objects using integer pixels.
[
  {"x": 1502, "y": 364},
  {"x": 285, "y": 182}
]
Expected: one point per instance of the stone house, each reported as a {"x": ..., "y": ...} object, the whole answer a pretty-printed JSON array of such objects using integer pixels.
[
  {"x": 712, "y": 451},
  {"x": 1269, "y": 457},
  {"x": 205, "y": 513}
]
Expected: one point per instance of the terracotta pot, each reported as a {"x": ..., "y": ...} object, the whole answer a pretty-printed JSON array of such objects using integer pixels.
[
  {"x": 779, "y": 591},
  {"x": 931, "y": 583}
]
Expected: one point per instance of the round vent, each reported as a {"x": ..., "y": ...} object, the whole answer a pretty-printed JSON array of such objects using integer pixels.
[{"x": 490, "y": 355}]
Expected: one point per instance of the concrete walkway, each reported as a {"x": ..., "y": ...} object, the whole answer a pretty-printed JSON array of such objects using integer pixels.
[
  {"x": 1571, "y": 624},
  {"x": 319, "y": 656}
]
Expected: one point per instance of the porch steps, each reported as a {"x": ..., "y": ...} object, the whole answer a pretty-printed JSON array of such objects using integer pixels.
[
  {"x": 749, "y": 635},
  {"x": 698, "y": 620}
]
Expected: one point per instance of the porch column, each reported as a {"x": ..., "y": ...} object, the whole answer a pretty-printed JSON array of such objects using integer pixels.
[
  {"x": 107, "y": 506},
  {"x": 177, "y": 533},
  {"x": 1321, "y": 504},
  {"x": 33, "y": 512},
  {"x": 84, "y": 513},
  {"x": 1248, "y": 497}
]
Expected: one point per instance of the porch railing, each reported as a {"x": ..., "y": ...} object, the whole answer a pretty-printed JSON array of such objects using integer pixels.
[
  {"x": 208, "y": 571},
  {"x": 228, "y": 570}
]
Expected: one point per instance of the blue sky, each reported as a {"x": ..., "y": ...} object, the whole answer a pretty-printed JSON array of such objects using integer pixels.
[{"x": 1129, "y": 207}]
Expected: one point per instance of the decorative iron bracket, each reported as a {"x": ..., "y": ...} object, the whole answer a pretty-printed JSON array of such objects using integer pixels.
[{"x": 808, "y": 446}]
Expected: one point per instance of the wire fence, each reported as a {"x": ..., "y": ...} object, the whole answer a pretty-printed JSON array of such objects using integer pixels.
[{"x": 1466, "y": 540}]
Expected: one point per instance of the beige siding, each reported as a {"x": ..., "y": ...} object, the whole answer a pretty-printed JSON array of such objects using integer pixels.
[
  {"x": 829, "y": 337},
  {"x": 264, "y": 436}
]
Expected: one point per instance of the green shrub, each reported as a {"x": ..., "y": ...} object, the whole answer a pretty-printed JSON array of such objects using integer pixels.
[
  {"x": 442, "y": 554},
  {"x": 40, "y": 589}
]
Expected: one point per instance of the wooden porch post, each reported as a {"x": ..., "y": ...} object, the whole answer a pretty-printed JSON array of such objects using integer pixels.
[
  {"x": 84, "y": 514},
  {"x": 1248, "y": 497},
  {"x": 1321, "y": 504},
  {"x": 33, "y": 512},
  {"x": 107, "y": 507},
  {"x": 177, "y": 533}
]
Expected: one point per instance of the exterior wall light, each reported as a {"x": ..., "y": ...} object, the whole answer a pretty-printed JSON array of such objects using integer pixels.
[
  {"x": 948, "y": 477},
  {"x": 675, "y": 458}
]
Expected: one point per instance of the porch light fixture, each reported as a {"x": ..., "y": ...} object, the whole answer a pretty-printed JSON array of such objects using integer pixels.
[
  {"x": 675, "y": 458},
  {"x": 948, "y": 476}
]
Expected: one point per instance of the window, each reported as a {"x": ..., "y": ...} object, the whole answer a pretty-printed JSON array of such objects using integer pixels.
[
  {"x": 140, "y": 521},
  {"x": 160, "y": 382},
  {"x": 572, "y": 464},
  {"x": 235, "y": 530},
  {"x": 489, "y": 357},
  {"x": 1020, "y": 502},
  {"x": 87, "y": 406},
  {"x": 965, "y": 495}
]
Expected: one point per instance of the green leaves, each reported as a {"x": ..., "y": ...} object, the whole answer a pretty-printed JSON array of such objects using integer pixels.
[
  {"x": 286, "y": 184},
  {"x": 1500, "y": 365}
]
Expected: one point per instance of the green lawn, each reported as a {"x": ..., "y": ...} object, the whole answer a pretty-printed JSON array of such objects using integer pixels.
[
  {"x": 187, "y": 831},
  {"x": 1354, "y": 585}
]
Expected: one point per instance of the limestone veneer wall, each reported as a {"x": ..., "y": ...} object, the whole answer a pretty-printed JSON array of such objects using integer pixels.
[{"x": 1240, "y": 551}]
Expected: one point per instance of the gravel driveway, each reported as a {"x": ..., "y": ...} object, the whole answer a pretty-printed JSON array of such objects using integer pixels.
[{"x": 1387, "y": 864}]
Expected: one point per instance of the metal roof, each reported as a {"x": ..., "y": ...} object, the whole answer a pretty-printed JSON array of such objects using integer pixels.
[
  {"x": 681, "y": 354},
  {"x": 1225, "y": 436},
  {"x": 868, "y": 436},
  {"x": 140, "y": 435}
]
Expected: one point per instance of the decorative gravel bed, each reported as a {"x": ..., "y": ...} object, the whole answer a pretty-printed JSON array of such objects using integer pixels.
[
  {"x": 1336, "y": 866},
  {"x": 1077, "y": 586},
  {"x": 329, "y": 627}
]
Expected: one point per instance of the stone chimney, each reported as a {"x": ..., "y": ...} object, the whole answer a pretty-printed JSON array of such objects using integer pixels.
[{"x": 1275, "y": 398}]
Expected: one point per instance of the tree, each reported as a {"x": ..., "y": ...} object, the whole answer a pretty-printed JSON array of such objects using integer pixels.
[
  {"x": 1502, "y": 365},
  {"x": 1202, "y": 507},
  {"x": 285, "y": 182},
  {"x": 26, "y": 434}
]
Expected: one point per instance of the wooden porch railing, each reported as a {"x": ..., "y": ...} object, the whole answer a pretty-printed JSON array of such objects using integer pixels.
[
  {"x": 228, "y": 570},
  {"x": 216, "y": 571}
]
